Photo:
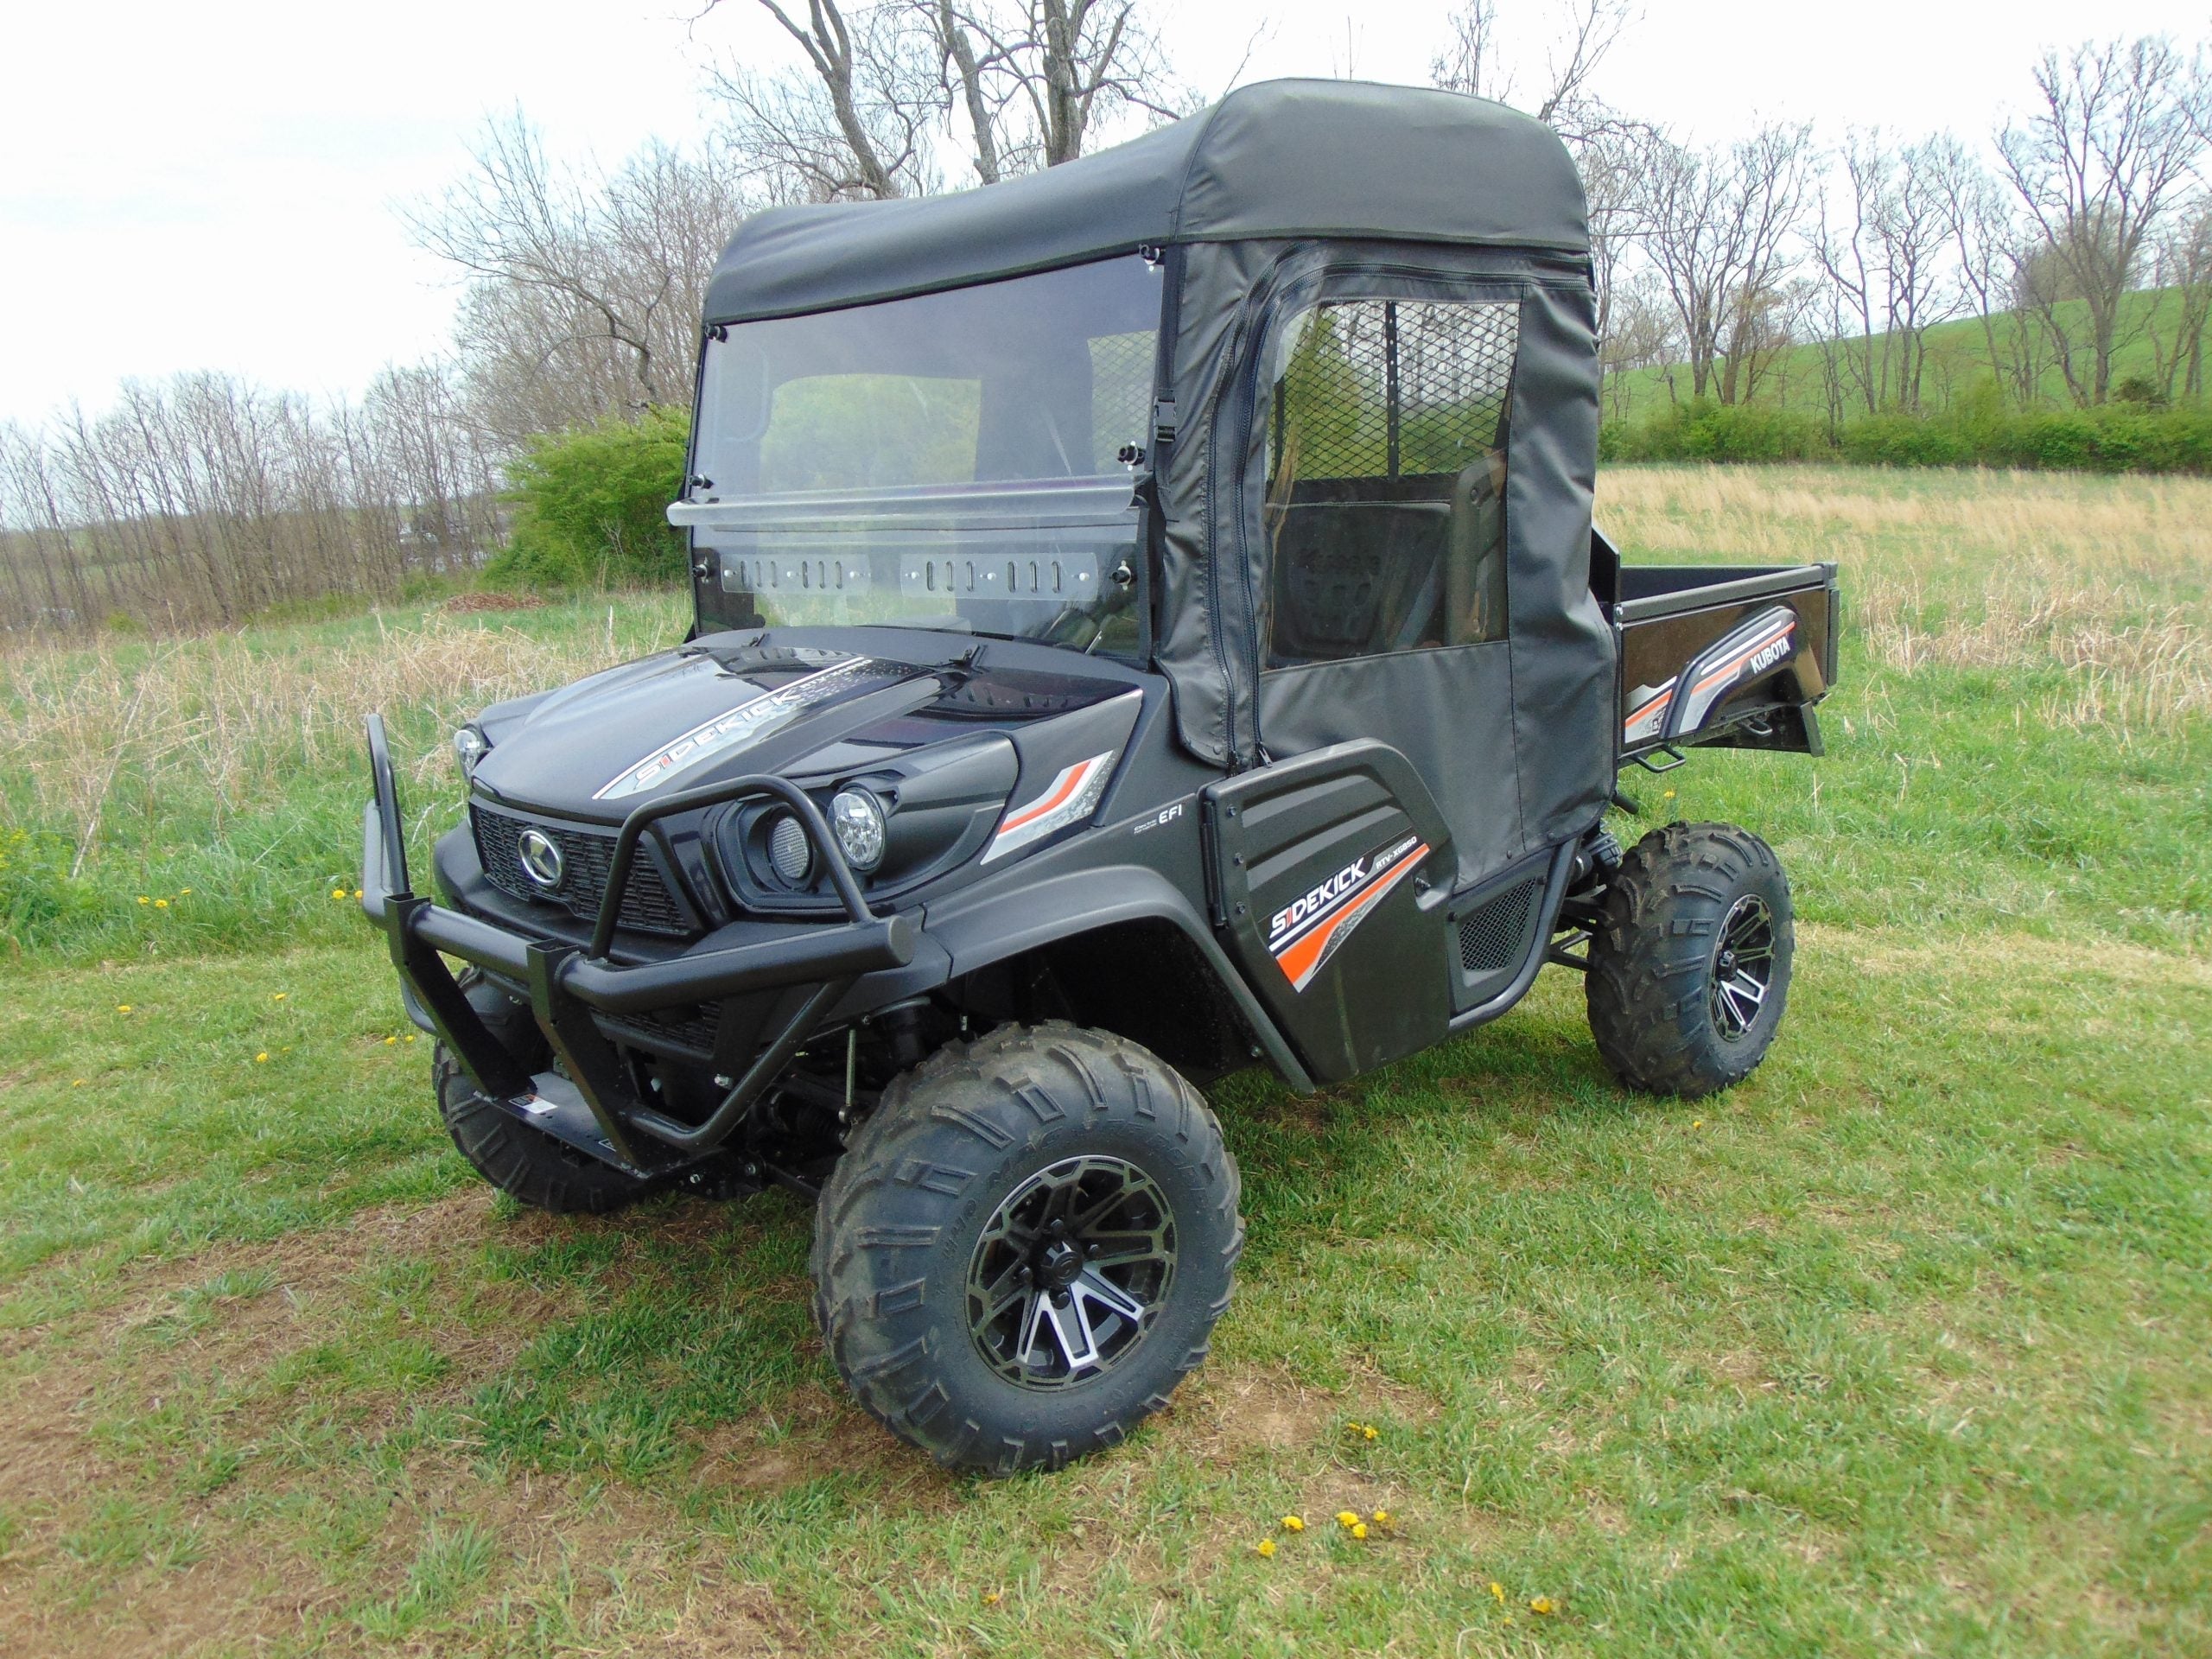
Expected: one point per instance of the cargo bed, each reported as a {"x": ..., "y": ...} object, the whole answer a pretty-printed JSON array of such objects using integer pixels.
[{"x": 1730, "y": 655}]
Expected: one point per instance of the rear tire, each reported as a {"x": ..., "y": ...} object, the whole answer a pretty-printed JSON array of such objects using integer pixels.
[
  {"x": 1689, "y": 970},
  {"x": 1025, "y": 1247}
]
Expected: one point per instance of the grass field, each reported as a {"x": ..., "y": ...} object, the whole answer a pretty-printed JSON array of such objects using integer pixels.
[{"x": 1898, "y": 1348}]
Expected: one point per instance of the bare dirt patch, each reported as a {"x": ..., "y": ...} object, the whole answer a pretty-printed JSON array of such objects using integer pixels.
[{"x": 809, "y": 1434}]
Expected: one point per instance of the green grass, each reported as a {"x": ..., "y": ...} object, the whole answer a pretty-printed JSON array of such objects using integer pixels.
[{"x": 1898, "y": 1347}]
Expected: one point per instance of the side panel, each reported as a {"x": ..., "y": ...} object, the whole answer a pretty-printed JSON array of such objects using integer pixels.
[
  {"x": 1330, "y": 874},
  {"x": 1694, "y": 671}
]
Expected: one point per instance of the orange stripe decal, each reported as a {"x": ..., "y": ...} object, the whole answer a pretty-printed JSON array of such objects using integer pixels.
[
  {"x": 1302, "y": 960},
  {"x": 1070, "y": 781}
]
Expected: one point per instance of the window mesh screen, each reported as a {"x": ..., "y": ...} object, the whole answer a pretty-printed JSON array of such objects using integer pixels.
[
  {"x": 1386, "y": 498},
  {"x": 1393, "y": 388},
  {"x": 1121, "y": 394}
]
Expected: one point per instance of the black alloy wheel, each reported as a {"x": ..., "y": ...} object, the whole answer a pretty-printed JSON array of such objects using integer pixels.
[
  {"x": 1689, "y": 966},
  {"x": 1743, "y": 968},
  {"x": 1070, "y": 1270},
  {"x": 1025, "y": 1247}
]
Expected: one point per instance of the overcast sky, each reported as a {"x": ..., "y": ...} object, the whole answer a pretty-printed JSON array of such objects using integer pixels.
[{"x": 213, "y": 185}]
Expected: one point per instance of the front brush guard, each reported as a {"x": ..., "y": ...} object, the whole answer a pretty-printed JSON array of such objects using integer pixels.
[{"x": 595, "y": 1106}]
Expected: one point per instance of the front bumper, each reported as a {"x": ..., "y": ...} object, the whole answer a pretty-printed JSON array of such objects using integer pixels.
[{"x": 593, "y": 1103}]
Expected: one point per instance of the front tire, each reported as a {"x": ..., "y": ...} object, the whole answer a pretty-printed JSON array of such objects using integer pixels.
[
  {"x": 528, "y": 1164},
  {"x": 1025, "y": 1247},
  {"x": 1689, "y": 970}
]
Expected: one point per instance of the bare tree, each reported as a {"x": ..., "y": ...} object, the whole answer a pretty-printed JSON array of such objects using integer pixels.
[
  {"x": 1980, "y": 218},
  {"x": 852, "y": 123},
  {"x": 1051, "y": 70},
  {"x": 2182, "y": 268},
  {"x": 1720, "y": 228},
  {"x": 200, "y": 500},
  {"x": 2116, "y": 131},
  {"x": 1880, "y": 243},
  {"x": 1029, "y": 81},
  {"x": 584, "y": 290},
  {"x": 1584, "y": 32}
]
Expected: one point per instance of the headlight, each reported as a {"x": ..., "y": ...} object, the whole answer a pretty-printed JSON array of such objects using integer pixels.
[
  {"x": 789, "y": 850},
  {"x": 856, "y": 819},
  {"x": 469, "y": 746}
]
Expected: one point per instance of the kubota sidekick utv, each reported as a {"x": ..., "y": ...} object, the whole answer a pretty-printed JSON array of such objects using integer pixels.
[{"x": 1149, "y": 622}]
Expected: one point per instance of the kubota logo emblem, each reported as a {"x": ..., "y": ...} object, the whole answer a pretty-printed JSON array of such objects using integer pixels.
[{"x": 541, "y": 858}]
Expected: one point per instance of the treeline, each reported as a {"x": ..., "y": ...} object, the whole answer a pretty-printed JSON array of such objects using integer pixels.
[
  {"x": 202, "y": 501},
  {"x": 1789, "y": 278},
  {"x": 1979, "y": 431}
]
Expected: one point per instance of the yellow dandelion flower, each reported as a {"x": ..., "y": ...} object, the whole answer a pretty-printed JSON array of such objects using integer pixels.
[
  {"x": 122, "y": 1007},
  {"x": 278, "y": 996},
  {"x": 143, "y": 900},
  {"x": 1266, "y": 1546},
  {"x": 1347, "y": 1518},
  {"x": 1540, "y": 1604},
  {"x": 161, "y": 903},
  {"x": 78, "y": 1085},
  {"x": 391, "y": 1039},
  {"x": 990, "y": 1598},
  {"x": 184, "y": 893},
  {"x": 338, "y": 893},
  {"x": 1382, "y": 1517},
  {"x": 262, "y": 1058},
  {"x": 357, "y": 892},
  {"x": 1369, "y": 1432},
  {"x": 1697, "y": 1123},
  {"x": 410, "y": 1036},
  {"x": 1359, "y": 1529},
  {"x": 1497, "y": 1590},
  {"x": 1294, "y": 1523}
]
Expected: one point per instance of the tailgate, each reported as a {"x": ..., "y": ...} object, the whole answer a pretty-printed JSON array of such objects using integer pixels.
[{"x": 1725, "y": 654}]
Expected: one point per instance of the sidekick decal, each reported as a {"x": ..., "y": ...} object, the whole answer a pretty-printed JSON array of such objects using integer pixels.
[
  {"x": 1072, "y": 796},
  {"x": 753, "y": 719},
  {"x": 1303, "y": 935}
]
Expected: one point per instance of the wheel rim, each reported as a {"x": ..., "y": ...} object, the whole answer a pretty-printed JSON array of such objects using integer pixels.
[
  {"x": 1742, "y": 967},
  {"x": 1070, "y": 1271}
]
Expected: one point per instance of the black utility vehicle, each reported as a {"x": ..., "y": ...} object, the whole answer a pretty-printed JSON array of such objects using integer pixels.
[{"x": 1149, "y": 622}]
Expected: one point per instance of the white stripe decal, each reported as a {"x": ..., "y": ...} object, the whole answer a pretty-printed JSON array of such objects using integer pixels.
[
  {"x": 1073, "y": 795},
  {"x": 753, "y": 718}
]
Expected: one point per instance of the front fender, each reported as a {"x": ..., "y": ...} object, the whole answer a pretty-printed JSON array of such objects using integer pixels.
[{"x": 988, "y": 925}]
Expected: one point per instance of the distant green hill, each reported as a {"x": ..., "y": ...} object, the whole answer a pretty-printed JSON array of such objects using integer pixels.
[{"x": 1958, "y": 361}]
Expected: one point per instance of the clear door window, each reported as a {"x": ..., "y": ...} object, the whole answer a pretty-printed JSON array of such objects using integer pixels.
[{"x": 1385, "y": 509}]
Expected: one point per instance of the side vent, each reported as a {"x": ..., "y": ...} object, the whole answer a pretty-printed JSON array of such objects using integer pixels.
[{"x": 1493, "y": 935}]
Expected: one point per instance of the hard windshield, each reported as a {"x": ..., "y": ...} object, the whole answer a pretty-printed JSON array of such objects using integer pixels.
[{"x": 948, "y": 460}]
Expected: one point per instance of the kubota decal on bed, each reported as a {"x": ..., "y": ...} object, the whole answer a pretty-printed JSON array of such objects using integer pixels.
[
  {"x": 1743, "y": 656},
  {"x": 1303, "y": 935}
]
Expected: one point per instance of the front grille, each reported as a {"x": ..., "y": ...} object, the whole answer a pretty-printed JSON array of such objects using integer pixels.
[
  {"x": 586, "y": 857},
  {"x": 688, "y": 1024},
  {"x": 1493, "y": 936}
]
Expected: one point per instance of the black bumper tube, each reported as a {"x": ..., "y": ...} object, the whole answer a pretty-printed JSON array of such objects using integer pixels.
[{"x": 564, "y": 981}]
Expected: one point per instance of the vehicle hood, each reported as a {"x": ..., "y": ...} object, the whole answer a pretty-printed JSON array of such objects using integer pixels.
[{"x": 727, "y": 705}]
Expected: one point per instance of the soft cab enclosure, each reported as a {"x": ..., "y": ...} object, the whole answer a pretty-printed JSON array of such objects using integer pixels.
[{"x": 1367, "y": 416}]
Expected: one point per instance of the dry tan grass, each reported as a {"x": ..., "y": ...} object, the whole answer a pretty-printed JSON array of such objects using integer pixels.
[
  {"x": 223, "y": 713},
  {"x": 2104, "y": 580}
]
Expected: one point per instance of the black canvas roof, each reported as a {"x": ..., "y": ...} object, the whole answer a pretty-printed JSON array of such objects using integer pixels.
[{"x": 1282, "y": 158}]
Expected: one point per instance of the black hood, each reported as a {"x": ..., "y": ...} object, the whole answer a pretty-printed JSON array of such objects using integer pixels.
[{"x": 734, "y": 703}]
